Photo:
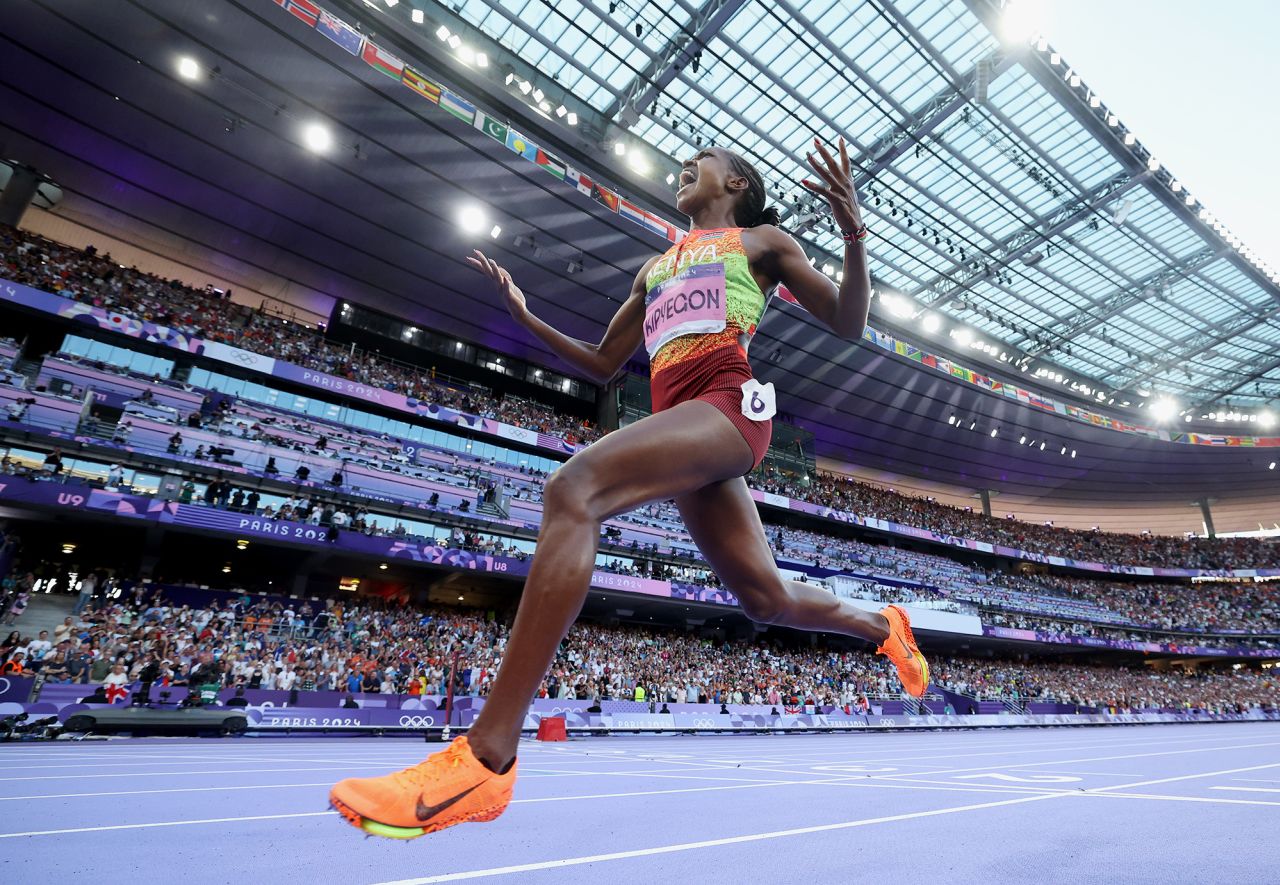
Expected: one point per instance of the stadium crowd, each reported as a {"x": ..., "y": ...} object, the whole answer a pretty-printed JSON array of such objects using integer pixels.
[
  {"x": 374, "y": 645},
  {"x": 90, "y": 278},
  {"x": 844, "y": 493}
]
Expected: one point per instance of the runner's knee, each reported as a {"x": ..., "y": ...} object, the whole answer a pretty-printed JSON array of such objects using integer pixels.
[
  {"x": 570, "y": 491},
  {"x": 762, "y": 604}
]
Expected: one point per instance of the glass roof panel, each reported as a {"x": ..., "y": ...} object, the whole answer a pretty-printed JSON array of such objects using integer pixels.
[{"x": 1014, "y": 197}]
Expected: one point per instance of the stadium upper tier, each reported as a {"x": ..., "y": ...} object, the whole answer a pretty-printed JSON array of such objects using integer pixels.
[
  {"x": 92, "y": 279},
  {"x": 202, "y": 637},
  {"x": 358, "y": 474}
]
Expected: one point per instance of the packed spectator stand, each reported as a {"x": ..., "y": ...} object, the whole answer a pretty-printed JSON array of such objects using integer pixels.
[
  {"x": 377, "y": 646},
  {"x": 649, "y": 542}
]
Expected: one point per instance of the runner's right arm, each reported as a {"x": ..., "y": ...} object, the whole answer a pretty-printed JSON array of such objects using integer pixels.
[{"x": 599, "y": 362}]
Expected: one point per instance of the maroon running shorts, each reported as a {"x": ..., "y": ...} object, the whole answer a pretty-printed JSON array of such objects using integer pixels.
[{"x": 717, "y": 378}]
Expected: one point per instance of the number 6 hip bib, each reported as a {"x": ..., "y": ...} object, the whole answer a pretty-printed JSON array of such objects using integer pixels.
[{"x": 691, "y": 302}]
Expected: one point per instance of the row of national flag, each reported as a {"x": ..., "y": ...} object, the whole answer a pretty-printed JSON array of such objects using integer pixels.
[
  {"x": 353, "y": 42},
  {"x": 387, "y": 63}
]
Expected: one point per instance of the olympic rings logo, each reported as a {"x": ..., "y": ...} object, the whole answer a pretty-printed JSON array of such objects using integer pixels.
[{"x": 417, "y": 721}]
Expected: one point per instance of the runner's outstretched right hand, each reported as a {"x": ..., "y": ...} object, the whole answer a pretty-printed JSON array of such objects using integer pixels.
[{"x": 512, "y": 297}]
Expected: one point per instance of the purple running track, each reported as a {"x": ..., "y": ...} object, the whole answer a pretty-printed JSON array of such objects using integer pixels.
[{"x": 1163, "y": 803}]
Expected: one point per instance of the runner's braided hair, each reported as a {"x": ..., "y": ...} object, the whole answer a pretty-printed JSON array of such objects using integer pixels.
[{"x": 750, "y": 210}]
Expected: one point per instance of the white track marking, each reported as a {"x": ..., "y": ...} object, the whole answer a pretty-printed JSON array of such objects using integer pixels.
[
  {"x": 1163, "y": 798},
  {"x": 1249, "y": 789},
  {"x": 166, "y": 823},
  {"x": 172, "y": 790},
  {"x": 1183, "y": 777},
  {"x": 709, "y": 843}
]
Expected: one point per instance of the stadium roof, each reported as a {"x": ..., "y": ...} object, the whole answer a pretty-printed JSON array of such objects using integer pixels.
[
  {"x": 1021, "y": 213},
  {"x": 213, "y": 173}
]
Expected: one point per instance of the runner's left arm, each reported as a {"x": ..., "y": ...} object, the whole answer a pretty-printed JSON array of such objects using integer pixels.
[{"x": 844, "y": 308}]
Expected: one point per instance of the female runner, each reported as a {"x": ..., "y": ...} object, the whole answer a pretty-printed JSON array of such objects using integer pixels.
[{"x": 695, "y": 307}]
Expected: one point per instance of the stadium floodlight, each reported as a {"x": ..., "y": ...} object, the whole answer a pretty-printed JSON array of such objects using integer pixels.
[
  {"x": 1175, "y": 186},
  {"x": 317, "y": 137},
  {"x": 1021, "y": 21},
  {"x": 466, "y": 54},
  {"x": 1055, "y": 59},
  {"x": 951, "y": 420},
  {"x": 524, "y": 86},
  {"x": 561, "y": 111},
  {"x": 1094, "y": 101},
  {"x": 454, "y": 41},
  {"x": 897, "y": 305},
  {"x": 1073, "y": 453},
  {"x": 1113, "y": 121},
  {"x": 1075, "y": 79},
  {"x": 1129, "y": 139},
  {"x": 963, "y": 336},
  {"x": 1022, "y": 439},
  {"x": 931, "y": 322},
  {"x": 442, "y": 32},
  {"x": 471, "y": 219},
  {"x": 620, "y": 148},
  {"x": 572, "y": 119},
  {"x": 538, "y": 95},
  {"x": 418, "y": 16},
  {"x": 391, "y": 4},
  {"x": 482, "y": 60},
  {"x": 671, "y": 178},
  {"x": 1266, "y": 419},
  {"x": 639, "y": 162},
  {"x": 1153, "y": 164},
  {"x": 495, "y": 231},
  {"x": 828, "y": 270},
  {"x": 1271, "y": 466},
  {"x": 187, "y": 68},
  {"x": 994, "y": 431},
  {"x": 1042, "y": 447}
]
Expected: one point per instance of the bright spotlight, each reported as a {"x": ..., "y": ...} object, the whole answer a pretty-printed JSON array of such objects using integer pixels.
[
  {"x": 442, "y": 32},
  {"x": 471, "y": 219},
  {"x": 1266, "y": 419},
  {"x": 561, "y": 110},
  {"x": 187, "y": 68},
  {"x": 962, "y": 336},
  {"x": 897, "y": 305},
  {"x": 495, "y": 231},
  {"x": 317, "y": 137},
  {"x": 572, "y": 119},
  {"x": 1163, "y": 409},
  {"x": 619, "y": 148},
  {"x": 638, "y": 162},
  {"x": 1021, "y": 21},
  {"x": 418, "y": 16},
  {"x": 466, "y": 54},
  {"x": 482, "y": 60},
  {"x": 931, "y": 322},
  {"x": 454, "y": 41}
]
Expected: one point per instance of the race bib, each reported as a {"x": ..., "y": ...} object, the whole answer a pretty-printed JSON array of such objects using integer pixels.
[
  {"x": 691, "y": 302},
  {"x": 758, "y": 402}
]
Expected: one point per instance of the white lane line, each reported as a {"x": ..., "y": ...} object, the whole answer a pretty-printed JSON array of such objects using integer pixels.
[
  {"x": 1183, "y": 777},
  {"x": 59, "y": 777},
  {"x": 1163, "y": 798},
  {"x": 173, "y": 790},
  {"x": 167, "y": 823},
  {"x": 1249, "y": 789},
  {"x": 708, "y": 843}
]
